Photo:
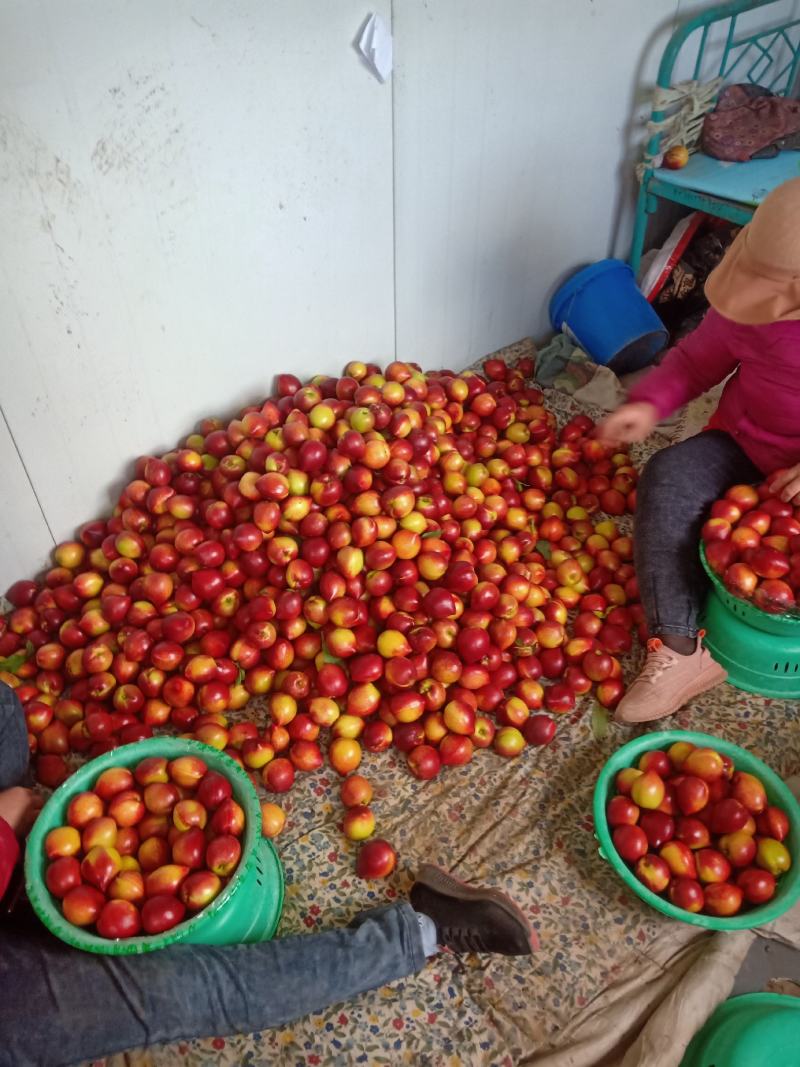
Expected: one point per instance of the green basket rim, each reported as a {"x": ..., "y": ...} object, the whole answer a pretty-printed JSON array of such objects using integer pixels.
[
  {"x": 126, "y": 755},
  {"x": 776, "y": 790},
  {"x": 702, "y": 1044},
  {"x": 748, "y": 662},
  {"x": 790, "y": 618}
]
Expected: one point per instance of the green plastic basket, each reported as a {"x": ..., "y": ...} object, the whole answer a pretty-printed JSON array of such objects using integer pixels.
[
  {"x": 760, "y": 652},
  {"x": 788, "y": 889},
  {"x": 787, "y": 624},
  {"x": 249, "y": 907},
  {"x": 756, "y": 1030}
]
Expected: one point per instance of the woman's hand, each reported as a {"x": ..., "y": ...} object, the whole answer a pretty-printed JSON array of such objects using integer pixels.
[
  {"x": 19, "y": 807},
  {"x": 787, "y": 484},
  {"x": 629, "y": 423}
]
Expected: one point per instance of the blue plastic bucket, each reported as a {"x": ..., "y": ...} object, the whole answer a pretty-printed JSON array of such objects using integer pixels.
[{"x": 603, "y": 311}]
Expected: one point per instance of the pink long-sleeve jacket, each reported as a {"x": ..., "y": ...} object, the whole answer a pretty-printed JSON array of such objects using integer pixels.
[
  {"x": 9, "y": 854},
  {"x": 760, "y": 405}
]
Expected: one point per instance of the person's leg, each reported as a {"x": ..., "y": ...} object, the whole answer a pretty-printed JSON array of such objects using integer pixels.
[
  {"x": 13, "y": 739},
  {"x": 677, "y": 488},
  {"x": 60, "y": 1006}
]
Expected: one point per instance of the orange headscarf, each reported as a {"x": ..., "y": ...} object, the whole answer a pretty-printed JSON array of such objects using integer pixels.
[{"x": 758, "y": 280}]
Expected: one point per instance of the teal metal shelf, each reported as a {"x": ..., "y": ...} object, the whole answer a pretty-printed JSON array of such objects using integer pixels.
[{"x": 767, "y": 57}]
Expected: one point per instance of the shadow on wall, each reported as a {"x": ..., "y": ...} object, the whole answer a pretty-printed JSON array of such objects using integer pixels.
[
  {"x": 632, "y": 131},
  {"x": 631, "y": 141},
  {"x": 127, "y": 475}
]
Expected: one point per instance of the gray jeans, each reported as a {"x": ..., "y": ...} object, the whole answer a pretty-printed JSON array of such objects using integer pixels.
[
  {"x": 62, "y": 1006},
  {"x": 677, "y": 488}
]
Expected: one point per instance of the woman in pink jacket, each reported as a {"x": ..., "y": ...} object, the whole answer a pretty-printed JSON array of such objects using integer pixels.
[{"x": 750, "y": 335}]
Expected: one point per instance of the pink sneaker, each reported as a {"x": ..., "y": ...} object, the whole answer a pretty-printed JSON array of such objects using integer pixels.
[{"x": 667, "y": 681}]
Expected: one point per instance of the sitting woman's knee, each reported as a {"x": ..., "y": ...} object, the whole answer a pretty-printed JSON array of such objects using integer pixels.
[{"x": 662, "y": 466}]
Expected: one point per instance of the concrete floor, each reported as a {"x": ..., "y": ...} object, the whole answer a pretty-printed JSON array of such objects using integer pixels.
[{"x": 765, "y": 961}]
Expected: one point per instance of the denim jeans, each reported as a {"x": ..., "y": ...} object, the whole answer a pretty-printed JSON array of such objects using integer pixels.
[
  {"x": 13, "y": 739},
  {"x": 677, "y": 488},
  {"x": 61, "y": 1006}
]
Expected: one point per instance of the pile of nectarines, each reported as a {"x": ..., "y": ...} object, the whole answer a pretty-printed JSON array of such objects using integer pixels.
[{"x": 386, "y": 559}]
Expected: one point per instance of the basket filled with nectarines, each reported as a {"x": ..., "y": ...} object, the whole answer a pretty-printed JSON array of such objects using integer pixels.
[
  {"x": 700, "y": 829},
  {"x": 152, "y": 844},
  {"x": 750, "y": 550}
]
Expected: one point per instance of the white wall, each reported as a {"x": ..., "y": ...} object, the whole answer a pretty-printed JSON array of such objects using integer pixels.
[
  {"x": 517, "y": 127},
  {"x": 196, "y": 194},
  {"x": 25, "y": 538},
  {"x": 512, "y": 124},
  {"x": 193, "y": 196}
]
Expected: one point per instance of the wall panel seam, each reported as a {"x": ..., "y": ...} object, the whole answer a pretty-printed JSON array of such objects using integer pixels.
[{"x": 27, "y": 474}]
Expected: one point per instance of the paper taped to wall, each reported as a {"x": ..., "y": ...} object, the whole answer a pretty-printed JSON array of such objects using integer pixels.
[{"x": 375, "y": 45}]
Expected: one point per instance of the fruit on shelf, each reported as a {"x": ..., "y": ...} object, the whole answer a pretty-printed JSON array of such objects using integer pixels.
[{"x": 676, "y": 158}]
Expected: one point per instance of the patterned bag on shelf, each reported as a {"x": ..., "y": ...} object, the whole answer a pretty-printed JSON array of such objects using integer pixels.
[{"x": 749, "y": 122}]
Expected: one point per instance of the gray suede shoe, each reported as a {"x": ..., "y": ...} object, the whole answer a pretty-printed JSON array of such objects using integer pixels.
[{"x": 471, "y": 919}]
